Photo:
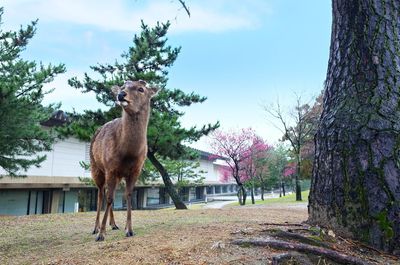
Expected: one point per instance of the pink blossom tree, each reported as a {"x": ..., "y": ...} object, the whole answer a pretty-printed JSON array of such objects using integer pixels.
[
  {"x": 233, "y": 147},
  {"x": 254, "y": 164},
  {"x": 290, "y": 169},
  {"x": 289, "y": 172}
]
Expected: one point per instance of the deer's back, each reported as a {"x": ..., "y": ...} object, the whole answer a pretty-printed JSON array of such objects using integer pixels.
[{"x": 109, "y": 152}]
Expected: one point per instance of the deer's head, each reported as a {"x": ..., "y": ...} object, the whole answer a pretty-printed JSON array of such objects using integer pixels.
[{"x": 134, "y": 96}]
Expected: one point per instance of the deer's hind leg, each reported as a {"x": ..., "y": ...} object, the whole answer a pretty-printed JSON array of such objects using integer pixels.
[
  {"x": 99, "y": 179},
  {"x": 112, "y": 220},
  {"x": 111, "y": 184},
  {"x": 130, "y": 184}
]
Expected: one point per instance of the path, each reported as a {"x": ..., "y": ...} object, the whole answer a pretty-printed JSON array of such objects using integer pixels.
[{"x": 220, "y": 201}]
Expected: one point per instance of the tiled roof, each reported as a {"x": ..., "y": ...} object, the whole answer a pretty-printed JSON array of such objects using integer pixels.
[{"x": 58, "y": 118}]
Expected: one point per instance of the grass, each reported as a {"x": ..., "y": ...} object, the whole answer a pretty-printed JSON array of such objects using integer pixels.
[
  {"x": 195, "y": 236},
  {"x": 291, "y": 198},
  {"x": 162, "y": 237}
]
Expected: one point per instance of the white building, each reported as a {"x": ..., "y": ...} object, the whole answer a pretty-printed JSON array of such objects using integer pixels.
[{"x": 57, "y": 186}]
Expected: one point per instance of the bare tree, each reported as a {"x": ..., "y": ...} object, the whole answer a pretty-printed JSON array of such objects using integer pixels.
[{"x": 298, "y": 129}]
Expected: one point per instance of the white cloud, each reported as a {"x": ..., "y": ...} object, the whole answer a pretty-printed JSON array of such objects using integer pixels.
[
  {"x": 70, "y": 97},
  {"x": 120, "y": 15},
  {"x": 88, "y": 36}
]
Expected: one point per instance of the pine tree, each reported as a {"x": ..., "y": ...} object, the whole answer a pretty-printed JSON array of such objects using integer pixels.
[
  {"x": 355, "y": 187},
  {"x": 148, "y": 59},
  {"x": 21, "y": 110}
]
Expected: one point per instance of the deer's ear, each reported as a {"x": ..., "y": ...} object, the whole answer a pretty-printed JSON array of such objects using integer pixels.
[
  {"x": 153, "y": 91},
  {"x": 115, "y": 89},
  {"x": 142, "y": 82}
]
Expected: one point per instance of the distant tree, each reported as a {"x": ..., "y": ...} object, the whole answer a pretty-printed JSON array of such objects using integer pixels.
[
  {"x": 263, "y": 170},
  {"x": 298, "y": 131},
  {"x": 277, "y": 162},
  {"x": 183, "y": 172},
  {"x": 148, "y": 59},
  {"x": 288, "y": 173},
  {"x": 254, "y": 164},
  {"x": 233, "y": 146},
  {"x": 307, "y": 151},
  {"x": 21, "y": 110}
]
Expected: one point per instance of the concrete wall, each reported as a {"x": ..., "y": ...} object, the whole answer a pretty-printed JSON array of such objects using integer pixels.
[
  {"x": 62, "y": 161},
  {"x": 212, "y": 174}
]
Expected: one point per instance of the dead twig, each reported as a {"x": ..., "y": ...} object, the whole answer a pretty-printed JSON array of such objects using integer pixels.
[
  {"x": 185, "y": 7},
  {"x": 360, "y": 244}
]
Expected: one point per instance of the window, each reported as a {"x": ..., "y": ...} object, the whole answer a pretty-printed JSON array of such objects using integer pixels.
[
  {"x": 199, "y": 193},
  {"x": 153, "y": 196},
  {"x": 184, "y": 193}
]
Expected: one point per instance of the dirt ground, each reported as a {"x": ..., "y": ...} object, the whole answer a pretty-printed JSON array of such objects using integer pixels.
[{"x": 201, "y": 236}]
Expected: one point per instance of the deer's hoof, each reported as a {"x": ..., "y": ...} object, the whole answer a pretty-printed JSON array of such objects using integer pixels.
[
  {"x": 99, "y": 238},
  {"x": 129, "y": 233},
  {"x": 95, "y": 231},
  {"x": 115, "y": 227}
]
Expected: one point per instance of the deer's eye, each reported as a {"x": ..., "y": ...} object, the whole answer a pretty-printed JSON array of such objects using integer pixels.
[{"x": 140, "y": 89}]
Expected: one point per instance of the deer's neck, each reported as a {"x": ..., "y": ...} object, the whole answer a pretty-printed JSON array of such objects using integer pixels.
[{"x": 134, "y": 130}]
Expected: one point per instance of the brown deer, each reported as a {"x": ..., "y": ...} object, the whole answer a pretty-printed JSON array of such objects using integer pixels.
[{"x": 118, "y": 150}]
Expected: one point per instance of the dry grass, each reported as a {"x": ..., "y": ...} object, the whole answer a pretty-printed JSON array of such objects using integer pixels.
[
  {"x": 198, "y": 236},
  {"x": 162, "y": 237}
]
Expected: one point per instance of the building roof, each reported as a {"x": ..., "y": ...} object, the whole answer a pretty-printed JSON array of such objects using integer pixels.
[
  {"x": 58, "y": 118},
  {"x": 209, "y": 156}
]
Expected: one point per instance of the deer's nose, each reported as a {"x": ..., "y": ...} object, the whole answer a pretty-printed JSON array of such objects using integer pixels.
[{"x": 121, "y": 96}]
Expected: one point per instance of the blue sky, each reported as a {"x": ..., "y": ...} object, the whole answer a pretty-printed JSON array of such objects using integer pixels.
[{"x": 240, "y": 54}]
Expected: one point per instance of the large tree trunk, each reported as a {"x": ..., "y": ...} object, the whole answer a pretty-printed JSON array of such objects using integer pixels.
[
  {"x": 169, "y": 186},
  {"x": 355, "y": 187}
]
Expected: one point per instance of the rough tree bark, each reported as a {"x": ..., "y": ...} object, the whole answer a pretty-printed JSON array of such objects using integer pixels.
[
  {"x": 169, "y": 186},
  {"x": 355, "y": 187}
]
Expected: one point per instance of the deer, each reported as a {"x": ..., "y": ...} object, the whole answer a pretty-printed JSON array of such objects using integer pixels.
[{"x": 118, "y": 150}]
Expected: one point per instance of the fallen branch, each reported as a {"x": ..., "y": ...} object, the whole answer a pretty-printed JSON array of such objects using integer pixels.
[
  {"x": 299, "y": 258},
  {"x": 300, "y": 247},
  {"x": 302, "y": 239},
  {"x": 283, "y": 224},
  {"x": 298, "y": 229}
]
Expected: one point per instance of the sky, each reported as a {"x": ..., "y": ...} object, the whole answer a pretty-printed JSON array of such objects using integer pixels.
[{"x": 242, "y": 55}]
